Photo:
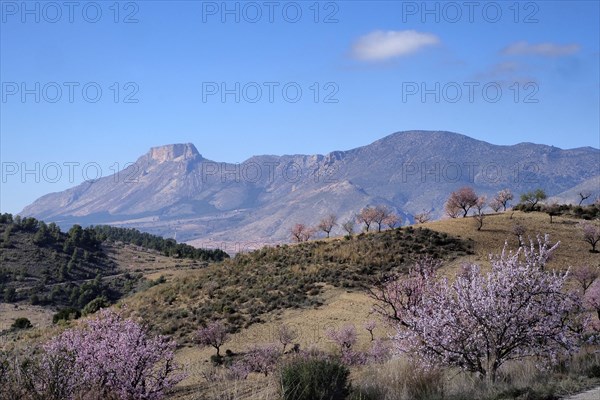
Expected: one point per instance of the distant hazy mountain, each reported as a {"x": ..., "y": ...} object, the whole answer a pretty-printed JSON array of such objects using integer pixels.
[
  {"x": 174, "y": 190},
  {"x": 589, "y": 187}
]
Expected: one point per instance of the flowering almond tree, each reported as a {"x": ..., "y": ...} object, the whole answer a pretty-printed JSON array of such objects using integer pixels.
[
  {"x": 397, "y": 298},
  {"x": 214, "y": 334},
  {"x": 592, "y": 298},
  {"x": 590, "y": 233},
  {"x": 367, "y": 216},
  {"x": 326, "y": 224},
  {"x": 286, "y": 335},
  {"x": 262, "y": 359},
  {"x": 585, "y": 276},
  {"x": 109, "y": 356},
  {"x": 422, "y": 217},
  {"x": 370, "y": 327},
  {"x": 461, "y": 201},
  {"x": 482, "y": 320},
  {"x": 301, "y": 233},
  {"x": 392, "y": 221},
  {"x": 344, "y": 337},
  {"x": 502, "y": 198},
  {"x": 381, "y": 215}
]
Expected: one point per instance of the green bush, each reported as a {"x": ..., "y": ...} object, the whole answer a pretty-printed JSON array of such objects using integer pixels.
[
  {"x": 314, "y": 379},
  {"x": 66, "y": 314},
  {"x": 95, "y": 305},
  {"x": 22, "y": 323},
  {"x": 216, "y": 360}
]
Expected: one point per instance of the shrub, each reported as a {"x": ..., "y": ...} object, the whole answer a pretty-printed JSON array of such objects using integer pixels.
[
  {"x": 22, "y": 323},
  {"x": 66, "y": 314},
  {"x": 95, "y": 305},
  {"x": 216, "y": 360},
  {"x": 34, "y": 299},
  {"x": 314, "y": 378}
]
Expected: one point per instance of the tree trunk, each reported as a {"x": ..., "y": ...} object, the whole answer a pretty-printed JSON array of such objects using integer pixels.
[{"x": 491, "y": 372}]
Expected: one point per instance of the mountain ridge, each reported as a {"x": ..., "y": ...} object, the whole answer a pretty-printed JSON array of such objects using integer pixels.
[{"x": 173, "y": 190}]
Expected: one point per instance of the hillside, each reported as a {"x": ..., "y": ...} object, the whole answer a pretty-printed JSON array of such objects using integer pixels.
[
  {"x": 498, "y": 230},
  {"x": 346, "y": 268},
  {"x": 43, "y": 269},
  {"x": 256, "y": 286},
  {"x": 174, "y": 191},
  {"x": 41, "y": 264},
  {"x": 313, "y": 286},
  {"x": 250, "y": 287}
]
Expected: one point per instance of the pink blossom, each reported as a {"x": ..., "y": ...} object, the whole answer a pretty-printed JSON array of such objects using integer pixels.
[
  {"x": 379, "y": 352},
  {"x": 262, "y": 359},
  {"x": 352, "y": 357},
  {"x": 214, "y": 334},
  {"x": 483, "y": 319},
  {"x": 590, "y": 233},
  {"x": 592, "y": 298},
  {"x": 345, "y": 337},
  {"x": 111, "y": 354},
  {"x": 370, "y": 326},
  {"x": 238, "y": 371}
]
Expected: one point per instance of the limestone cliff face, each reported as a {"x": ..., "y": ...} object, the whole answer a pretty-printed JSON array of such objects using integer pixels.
[
  {"x": 173, "y": 188},
  {"x": 173, "y": 152}
]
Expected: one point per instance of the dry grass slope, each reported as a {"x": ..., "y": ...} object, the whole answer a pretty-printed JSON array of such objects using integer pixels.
[
  {"x": 249, "y": 288},
  {"x": 497, "y": 229},
  {"x": 342, "y": 306}
]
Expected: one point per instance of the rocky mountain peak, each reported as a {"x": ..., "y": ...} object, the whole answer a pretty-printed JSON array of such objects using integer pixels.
[
  {"x": 173, "y": 152},
  {"x": 408, "y": 171}
]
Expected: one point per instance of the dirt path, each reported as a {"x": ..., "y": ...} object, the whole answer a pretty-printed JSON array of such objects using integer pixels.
[{"x": 593, "y": 394}]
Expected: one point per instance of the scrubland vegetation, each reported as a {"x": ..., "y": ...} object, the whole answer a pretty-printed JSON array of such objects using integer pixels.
[
  {"x": 444, "y": 320},
  {"x": 240, "y": 291},
  {"x": 73, "y": 271}
]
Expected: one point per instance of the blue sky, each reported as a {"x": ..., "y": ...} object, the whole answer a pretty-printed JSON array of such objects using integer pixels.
[{"x": 503, "y": 72}]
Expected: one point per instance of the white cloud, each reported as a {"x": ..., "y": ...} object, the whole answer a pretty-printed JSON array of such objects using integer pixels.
[
  {"x": 541, "y": 49},
  {"x": 380, "y": 45}
]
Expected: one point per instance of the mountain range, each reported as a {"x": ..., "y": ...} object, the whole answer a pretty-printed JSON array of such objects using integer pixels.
[{"x": 174, "y": 191}]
